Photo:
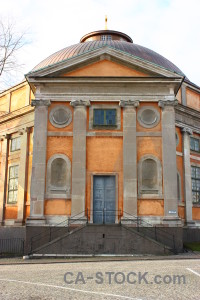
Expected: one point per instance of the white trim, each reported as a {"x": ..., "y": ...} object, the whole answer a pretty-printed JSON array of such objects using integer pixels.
[
  {"x": 194, "y": 157},
  {"x": 179, "y": 153}
]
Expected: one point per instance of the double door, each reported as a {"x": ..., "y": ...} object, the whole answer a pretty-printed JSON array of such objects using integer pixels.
[{"x": 104, "y": 200}]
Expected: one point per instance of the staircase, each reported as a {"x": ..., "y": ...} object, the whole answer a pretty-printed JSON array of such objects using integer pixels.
[{"x": 129, "y": 237}]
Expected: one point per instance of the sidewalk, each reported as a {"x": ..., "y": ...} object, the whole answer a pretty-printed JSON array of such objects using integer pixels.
[{"x": 102, "y": 258}]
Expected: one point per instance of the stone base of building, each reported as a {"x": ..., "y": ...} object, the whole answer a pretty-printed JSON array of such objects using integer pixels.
[
  {"x": 35, "y": 221},
  {"x": 103, "y": 239}
]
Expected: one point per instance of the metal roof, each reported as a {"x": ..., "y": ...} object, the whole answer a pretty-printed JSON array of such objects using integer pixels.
[{"x": 134, "y": 50}]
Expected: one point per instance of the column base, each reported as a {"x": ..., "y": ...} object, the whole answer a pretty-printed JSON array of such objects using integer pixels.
[
  {"x": 128, "y": 220},
  {"x": 190, "y": 224},
  {"x": 35, "y": 221},
  {"x": 172, "y": 221},
  {"x": 19, "y": 222},
  {"x": 81, "y": 220}
]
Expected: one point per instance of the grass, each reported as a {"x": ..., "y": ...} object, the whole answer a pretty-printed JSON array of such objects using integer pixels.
[{"x": 193, "y": 246}]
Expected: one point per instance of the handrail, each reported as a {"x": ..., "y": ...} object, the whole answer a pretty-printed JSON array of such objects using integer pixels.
[
  {"x": 56, "y": 228},
  {"x": 140, "y": 222},
  {"x": 117, "y": 213}
]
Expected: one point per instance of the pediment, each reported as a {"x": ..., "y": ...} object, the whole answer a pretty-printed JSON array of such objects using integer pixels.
[
  {"x": 102, "y": 62},
  {"x": 106, "y": 68}
]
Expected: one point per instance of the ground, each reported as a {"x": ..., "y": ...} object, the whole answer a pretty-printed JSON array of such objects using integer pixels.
[{"x": 100, "y": 278}]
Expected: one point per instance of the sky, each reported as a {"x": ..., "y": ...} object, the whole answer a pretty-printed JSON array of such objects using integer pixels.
[{"x": 169, "y": 27}]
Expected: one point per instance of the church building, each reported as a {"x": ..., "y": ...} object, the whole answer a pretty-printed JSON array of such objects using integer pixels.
[{"x": 105, "y": 131}]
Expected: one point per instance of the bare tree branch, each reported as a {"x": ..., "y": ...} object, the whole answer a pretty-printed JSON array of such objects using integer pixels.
[{"x": 11, "y": 41}]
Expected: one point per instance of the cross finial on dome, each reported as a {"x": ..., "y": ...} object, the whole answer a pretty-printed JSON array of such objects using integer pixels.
[{"x": 106, "y": 20}]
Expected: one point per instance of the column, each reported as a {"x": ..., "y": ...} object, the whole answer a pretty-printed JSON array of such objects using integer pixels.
[
  {"x": 22, "y": 176},
  {"x": 129, "y": 157},
  {"x": 79, "y": 157},
  {"x": 169, "y": 159},
  {"x": 183, "y": 95},
  {"x": 39, "y": 163},
  {"x": 187, "y": 175},
  {"x": 3, "y": 177}
]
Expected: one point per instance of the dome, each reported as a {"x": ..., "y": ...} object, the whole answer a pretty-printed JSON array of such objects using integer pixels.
[{"x": 113, "y": 39}]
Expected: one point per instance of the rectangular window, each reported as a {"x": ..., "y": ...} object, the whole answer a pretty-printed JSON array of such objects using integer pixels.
[
  {"x": 104, "y": 117},
  {"x": 106, "y": 37},
  {"x": 194, "y": 144},
  {"x": 195, "y": 184},
  {"x": 13, "y": 184},
  {"x": 15, "y": 143}
]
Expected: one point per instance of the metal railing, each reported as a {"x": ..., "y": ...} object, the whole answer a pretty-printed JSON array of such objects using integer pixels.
[
  {"x": 152, "y": 231},
  {"x": 12, "y": 246},
  {"x": 52, "y": 231},
  {"x": 105, "y": 217}
]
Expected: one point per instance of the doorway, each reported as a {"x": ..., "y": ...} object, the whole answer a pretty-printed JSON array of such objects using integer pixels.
[{"x": 104, "y": 210}]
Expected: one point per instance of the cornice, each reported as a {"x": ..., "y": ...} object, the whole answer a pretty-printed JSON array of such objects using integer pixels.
[
  {"x": 108, "y": 79},
  {"x": 187, "y": 117},
  {"x": 16, "y": 114}
]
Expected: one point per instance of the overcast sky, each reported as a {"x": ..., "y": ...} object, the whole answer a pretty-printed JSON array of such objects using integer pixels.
[{"x": 169, "y": 27}]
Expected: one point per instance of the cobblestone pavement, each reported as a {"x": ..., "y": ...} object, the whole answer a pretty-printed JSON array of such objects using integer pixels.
[{"x": 147, "y": 279}]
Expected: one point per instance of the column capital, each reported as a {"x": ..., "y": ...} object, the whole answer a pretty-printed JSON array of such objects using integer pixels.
[
  {"x": 38, "y": 102},
  {"x": 125, "y": 103},
  {"x": 22, "y": 131},
  {"x": 5, "y": 137},
  {"x": 80, "y": 102},
  {"x": 187, "y": 130},
  {"x": 167, "y": 103}
]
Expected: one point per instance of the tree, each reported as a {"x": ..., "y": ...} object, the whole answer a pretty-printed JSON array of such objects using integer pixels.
[{"x": 11, "y": 41}]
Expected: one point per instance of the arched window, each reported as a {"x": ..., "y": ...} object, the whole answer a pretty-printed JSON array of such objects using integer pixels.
[
  {"x": 58, "y": 174},
  {"x": 58, "y": 177},
  {"x": 149, "y": 176}
]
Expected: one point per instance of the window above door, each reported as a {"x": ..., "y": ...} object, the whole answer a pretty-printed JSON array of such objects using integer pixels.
[{"x": 102, "y": 116}]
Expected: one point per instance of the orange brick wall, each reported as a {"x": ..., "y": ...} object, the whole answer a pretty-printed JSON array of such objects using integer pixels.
[
  {"x": 193, "y": 99},
  {"x": 150, "y": 207},
  {"x": 11, "y": 212},
  {"x": 196, "y": 213},
  {"x": 106, "y": 68},
  {"x": 57, "y": 207}
]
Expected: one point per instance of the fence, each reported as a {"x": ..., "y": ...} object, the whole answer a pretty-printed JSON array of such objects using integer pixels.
[{"x": 13, "y": 246}]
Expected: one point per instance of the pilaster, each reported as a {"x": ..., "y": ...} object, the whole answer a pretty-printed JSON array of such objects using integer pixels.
[
  {"x": 79, "y": 157},
  {"x": 187, "y": 174},
  {"x": 169, "y": 160},
  {"x": 39, "y": 163},
  {"x": 129, "y": 157},
  {"x": 3, "y": 177},
  {"x": 22, "y": 176}
]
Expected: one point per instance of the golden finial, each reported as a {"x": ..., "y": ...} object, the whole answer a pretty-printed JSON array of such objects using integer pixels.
[{"x": 106, "y": 20}]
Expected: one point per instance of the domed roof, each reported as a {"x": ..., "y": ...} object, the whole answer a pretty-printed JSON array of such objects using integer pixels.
[{"x": 126, "y": 47}]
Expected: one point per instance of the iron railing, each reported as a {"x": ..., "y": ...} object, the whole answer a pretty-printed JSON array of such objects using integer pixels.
[
  {"x": 129, "y": 221},
  {"x": 12, "y": 246},
  {"x": 152, "y": 231},
  {"x": 51, "y": 232}
]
